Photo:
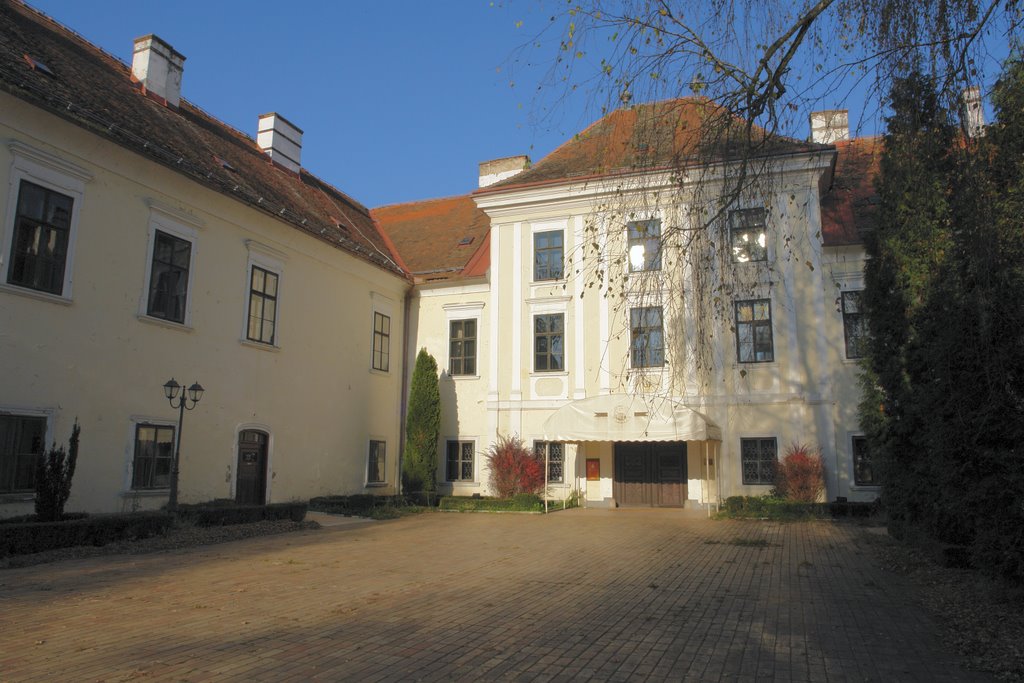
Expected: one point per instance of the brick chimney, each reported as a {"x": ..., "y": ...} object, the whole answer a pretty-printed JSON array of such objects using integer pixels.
[
  {"x": 973, "y": 114},
  {"x": 158, "y": 67},
  {"x": 281, "y": 140},
  {"x": 499, "y": 169},
  {"x": 831, "y": 125}
]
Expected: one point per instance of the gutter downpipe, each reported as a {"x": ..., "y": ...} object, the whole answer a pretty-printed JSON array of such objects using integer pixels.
[{"x": 406, "y": 314}]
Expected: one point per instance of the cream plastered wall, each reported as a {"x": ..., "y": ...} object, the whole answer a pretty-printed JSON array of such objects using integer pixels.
[
  {"x": 807, "y": 394},
  {"x": 96, "y": 357}
]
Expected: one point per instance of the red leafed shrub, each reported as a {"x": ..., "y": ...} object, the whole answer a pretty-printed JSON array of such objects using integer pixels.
[
  {"x": 514, "y": 468},
  {"x": 800, "y": 476}
]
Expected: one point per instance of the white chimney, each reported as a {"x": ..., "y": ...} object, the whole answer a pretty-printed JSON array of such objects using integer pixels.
[
  {"x": 499, "y": 169},
  {"x": 281, "y": 140},
  {"x": 974, "y": 115},
  {"x": 830, "y": 126},
  {"x": 158, "y": 66}
]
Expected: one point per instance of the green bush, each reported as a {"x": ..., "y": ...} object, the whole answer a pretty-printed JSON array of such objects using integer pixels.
[
  {"x": 54, "y": 471},
  {"x": 773, "y": 507},
  {"x": 35, "y": 537},
  {"x": 524, "y": 502},
  {"x": 221, "y": 513},
  {"x": 361, "y": 505}
]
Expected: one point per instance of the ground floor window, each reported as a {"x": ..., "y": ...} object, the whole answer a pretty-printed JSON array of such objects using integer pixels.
[
  {"x": 759, "y": 457},
  {"x": 375, "y": 467},
  {"x": 554, "y": 453},
  {"x": 460, "y": 461},
  {"x": 22, "y": 440},
  {"x": 154, "y": 454},
  {"x": 863, "y": 471}
]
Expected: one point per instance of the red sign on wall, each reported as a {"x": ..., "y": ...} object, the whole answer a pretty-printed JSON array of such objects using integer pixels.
[{"x": 593, "y": 469}]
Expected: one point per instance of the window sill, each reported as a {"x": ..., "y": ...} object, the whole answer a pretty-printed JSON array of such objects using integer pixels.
[
  {"x": 376, "y": 485},
  {"x": 549, "y": 373},
  {"x": 743, "y": 364},
  {"x": 866, "y": 487},
  {"x": 145, "y": 493},
  {"x": 273, "y": 348},
  {"x": 382, "y": 373},
  {"x": 160, "y": 322},
  {"x": 17, "y": 497},
  {"x": 462, "y": 378},
  {"x": 35, "y": 294},
  {"x": 852, "y": 361},
  {"x": 552, "y": 281}
]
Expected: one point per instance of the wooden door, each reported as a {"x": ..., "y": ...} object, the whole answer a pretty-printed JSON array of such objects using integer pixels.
[
  {"x": 251, "y": 482},
  {"x": 650, "y": 474},
  {"x": 632, "y": 474}
]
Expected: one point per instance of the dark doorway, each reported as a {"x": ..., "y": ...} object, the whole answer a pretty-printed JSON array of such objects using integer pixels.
[
  {"x": 251, "y": 487},
  {"x": 650, "y": 474}
]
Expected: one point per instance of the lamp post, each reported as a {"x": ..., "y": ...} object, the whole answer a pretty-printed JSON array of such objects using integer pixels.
[{"x": 194, "y": 393}]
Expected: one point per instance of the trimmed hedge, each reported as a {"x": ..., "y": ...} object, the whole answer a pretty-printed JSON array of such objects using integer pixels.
[
  {"x": 206, "y": 514},
  {"x": 361, "y": 504},
  {"x": 524, "y": 502},
  {"x": 757, "y": 507},
  {"x": 23, "y": 519},
  {"x": 34, "y": 537}
]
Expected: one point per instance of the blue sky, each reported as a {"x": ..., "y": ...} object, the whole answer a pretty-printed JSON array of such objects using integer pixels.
[{"x": 398, "y": 100}]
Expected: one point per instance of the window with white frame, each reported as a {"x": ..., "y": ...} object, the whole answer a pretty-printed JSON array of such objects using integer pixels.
[
  {"x": 754, "y": 342},
  {"x": 548, "y": 255},
  {"x": 552, "y": 452},
  {"x": 647, "y": 337},
  {"x": 41, "y": 222},
  {"x": 22, "y": 440},
  {"x": 375, "y": 472},
  {"x": 459, "y": 460},
  {"x": 154, "y": 456},
  {"x": 748, "y": 236},
  {"x": 644, "y": 244},
  {"x": 549, "y": 342},
  {"x": 381, "y": 341},
  {"x": 759, "y": 458},
  {"x": 262, "y": 320},
  {"x": 462, "y": 347},
  {"x": 863, "y": 470},
  {"x": 855, "y": 327}
]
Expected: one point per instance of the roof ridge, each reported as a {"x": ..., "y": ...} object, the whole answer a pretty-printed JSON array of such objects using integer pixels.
[{"x": 429, "y": 200}]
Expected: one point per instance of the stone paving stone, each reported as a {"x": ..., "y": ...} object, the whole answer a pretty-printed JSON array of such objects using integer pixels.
[{"x": 577, "y": 595}]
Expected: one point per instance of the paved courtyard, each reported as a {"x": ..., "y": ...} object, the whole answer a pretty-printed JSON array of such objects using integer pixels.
[{"x": 585, "y": 594}]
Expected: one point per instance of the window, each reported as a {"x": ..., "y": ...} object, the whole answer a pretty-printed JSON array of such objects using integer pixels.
[
  {"x": 647, "y": 340},
  {"x": 754, "y": 331},
  {"x": 22, "y": 440},
  {"x": 548, "y": 346},
  {"x": 462, "y": 347},
  {"x": 168, "y": 277},
  {"x": 39, "y": 246},
  {"x": 759, "y": 457},
  {"x": 547, "y": 255},
  {"x": 554, "y": 452},
  {"x": 863, "y": 471},
  {"x": 644, "y": 239},
  {"x": 855, "y": 328},
  {"x": 375, "y": 466},
  {"x": 262, "y": 305},
  {"x": 381, "y": 342},
  {"x": 747, "y": 235},
  {"x": 154, "y": 454},
  {"x": 460, "y": 461}
]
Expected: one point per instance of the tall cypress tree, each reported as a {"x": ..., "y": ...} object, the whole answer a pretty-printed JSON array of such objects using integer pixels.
[{"x": 422, "y": 428}]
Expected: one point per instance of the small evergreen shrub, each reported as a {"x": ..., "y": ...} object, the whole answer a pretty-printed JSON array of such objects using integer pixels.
[
  {"x": 422, "y": 427},
  {"x": 514, "y": 468},
  {"x": 54, "y": 471},
  {"x": 800, "y": 475}
]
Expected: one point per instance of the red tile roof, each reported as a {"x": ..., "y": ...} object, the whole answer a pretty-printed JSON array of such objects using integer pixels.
[
  {"x": 439, "y": 239},
  {"x": 848, "y": 207},
  {"x": 94, "y": 90}
]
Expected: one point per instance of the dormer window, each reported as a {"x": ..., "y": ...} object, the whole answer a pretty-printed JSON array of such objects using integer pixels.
[{"x": 38, "y": 65}]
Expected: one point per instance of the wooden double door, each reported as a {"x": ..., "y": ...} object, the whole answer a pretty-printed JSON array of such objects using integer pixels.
[{"x": 650, "y": 474}]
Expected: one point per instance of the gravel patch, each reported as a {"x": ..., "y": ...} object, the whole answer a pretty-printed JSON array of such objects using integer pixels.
[{"x": 178, "y": 537}]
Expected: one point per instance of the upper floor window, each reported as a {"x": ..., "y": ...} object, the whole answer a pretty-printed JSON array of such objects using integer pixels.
[
  {"x": 644, "y": 238},
  {"x": 262, "y": 305},
  {"x": 39, "y": 246},
  {"x": 459, "y": 461},
  {"x": 553, "y": 452},
  {"x": 549, "y": 342},
  {"x": 548, "y": 252},
  {"x": 169, "y": 277},
  {"x": 747, "y": 235},
  {"x": 462, "y": 347},
  {"x": 754, "y": 331},
  {"x": 863, "y": 471},
  {"x": 855, "y": 328},
  {"x": 375, "y": 465},
  {"x": 759, "y": 457},
  {"x": 22, "y": 440},
  {"x": 154, "y": 454},
  {"x": 381, "y": 342},
  {"x": 647, "y": 339}
]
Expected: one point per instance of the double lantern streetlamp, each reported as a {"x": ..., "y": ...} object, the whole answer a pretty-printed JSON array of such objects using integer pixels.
[{"x": 187, "y": 397}]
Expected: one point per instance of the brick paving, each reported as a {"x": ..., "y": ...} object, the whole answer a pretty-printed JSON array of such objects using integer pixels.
[{"x": 609, "y": 595}]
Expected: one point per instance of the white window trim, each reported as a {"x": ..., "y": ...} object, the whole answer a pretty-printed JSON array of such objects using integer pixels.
[
  {"x": 269, "y": 259},
  {"x": 475, "y": 481},
  {"x": 129, "y": 468},
  {"x": 58, "y": 175},
  {"x": 366, "y": 473},
  {"x": 385, "y": 306},
  {"x": 557, "y": 225},
  {"x": 655, "y": 215},
  {"x": 769, "y": 244},
  {"x": 170, "y": 224},
  {"x": 854, "y": 486},
  {"x": 745, "y": 436},
  {"x": 47, "y": 414},
  {"x": 472, "y": 310}
]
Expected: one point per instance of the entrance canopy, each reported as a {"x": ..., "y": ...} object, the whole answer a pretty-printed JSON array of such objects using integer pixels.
[{"x": 621, "y": 417}]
